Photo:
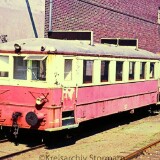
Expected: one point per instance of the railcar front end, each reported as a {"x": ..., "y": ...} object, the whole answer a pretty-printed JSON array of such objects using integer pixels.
[{"x": 27, "y": 98}]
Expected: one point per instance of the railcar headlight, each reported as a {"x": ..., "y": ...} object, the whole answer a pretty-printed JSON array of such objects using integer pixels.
[
  {"x": 17, "y": 48},
  {"x": 40, "y": 100}
]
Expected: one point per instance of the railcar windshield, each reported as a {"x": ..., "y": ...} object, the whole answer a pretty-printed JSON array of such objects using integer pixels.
[
  {"x": 39, "y": 70},
  {"x": 31, "y": 67},
  {"x": 4, "y": 66},
  {"x": 20, "y": 68},
  {"x": 36, "y": 64}
]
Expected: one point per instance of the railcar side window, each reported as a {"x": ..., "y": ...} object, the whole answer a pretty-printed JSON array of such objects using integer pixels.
[
  {"x": 119, "y": 71},
  {"x": 87, "y": 71},
  {"x": 68, "y": 69},
  {"x": 4, "y": 66},
  {"x": 20, "y": 68},
  {"x": 104, "y": 71},
  {"x": 39, "y": 70},
  {"x": 142, "y": 70},
  {"x": 152, "y": 66},
  {"x": 131, "y": 70}
]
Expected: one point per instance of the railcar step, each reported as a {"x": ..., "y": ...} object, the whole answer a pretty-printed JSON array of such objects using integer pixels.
[
  {"x": 68, "y": 121},
  {"x": 67, "y": 118},
  {"x": 61, "y": 128}
]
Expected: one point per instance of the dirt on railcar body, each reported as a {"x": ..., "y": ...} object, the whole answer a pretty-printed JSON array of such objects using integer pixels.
[{"x": 111, "y": 137}]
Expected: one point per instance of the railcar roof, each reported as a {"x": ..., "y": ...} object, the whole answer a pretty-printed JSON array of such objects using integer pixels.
[{"x": 76, "y": 47}]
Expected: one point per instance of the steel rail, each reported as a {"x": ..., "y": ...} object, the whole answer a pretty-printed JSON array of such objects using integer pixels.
[
  {"x": 4, "y": 140},
  {"x": 140, "y": 151},
  {"x": 23, "y": 151}
]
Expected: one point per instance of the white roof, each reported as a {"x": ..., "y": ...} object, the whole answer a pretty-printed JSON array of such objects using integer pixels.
[{"x": 76, "y": 46}]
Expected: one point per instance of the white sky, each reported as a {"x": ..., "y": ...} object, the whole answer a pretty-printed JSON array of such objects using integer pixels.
[
  {"x": 15, "y": 20},
  {"x": 36, "y": 5}
]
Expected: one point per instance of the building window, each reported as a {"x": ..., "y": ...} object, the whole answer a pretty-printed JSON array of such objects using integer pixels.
[
  {"x": 87, "y": 71},
  {"x": 20, "y": 68},
  {"x": 131, "y": 70},
  {"x": 119, "y": 71},
  {"x": 142, "y": 70},
  {"x": 104, "y": 71},
  {"x": 68, "y": 69},
  {"x": 152, "y": 66},
  {"x": 4, "y": 66}
]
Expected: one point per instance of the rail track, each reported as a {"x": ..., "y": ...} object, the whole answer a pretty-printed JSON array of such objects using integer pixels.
[
  {"x": 151, "y": 151},
  {"x": 21, "y": 152},
  {"x": 4, "y": 140}
]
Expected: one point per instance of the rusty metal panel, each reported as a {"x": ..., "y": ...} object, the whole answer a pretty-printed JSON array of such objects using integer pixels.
[
  {"x": 112, "y": 106},
  {"x": 69, "y": 99},
  {"x": 115, "y": 91}
]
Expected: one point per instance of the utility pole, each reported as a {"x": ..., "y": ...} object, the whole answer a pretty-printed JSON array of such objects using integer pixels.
[{"x": 31, "y": 18}]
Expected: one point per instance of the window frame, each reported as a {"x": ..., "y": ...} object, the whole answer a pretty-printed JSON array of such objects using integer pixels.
[
  {"x": 29, "y": 72},
  {"x": 121, "y": 74},
  {"x": 133, "y": 70},
  {"x": 152, "y": 75},
  {"x": 41, "y": 78},
  {"x": 5, "y": 72},
  {"x": 70, "y": 72},
  {"x": 37, "y": 58},
  {"x": 103, "y": 78},
  {"x": 19, "y": 68},
  {"x": 143, "y": 69},
  {"x": 87, "y": 79}
]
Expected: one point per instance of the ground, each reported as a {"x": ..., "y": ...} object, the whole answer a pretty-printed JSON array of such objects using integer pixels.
[{"x": 99, "y": 142}]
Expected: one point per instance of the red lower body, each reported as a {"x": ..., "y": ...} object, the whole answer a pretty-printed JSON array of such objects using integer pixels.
[
  {"x": 91, "y": 102},
  {"x": 104, "y": 100}
]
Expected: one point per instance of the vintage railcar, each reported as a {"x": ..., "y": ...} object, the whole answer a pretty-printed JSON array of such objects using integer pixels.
[{"x": 50, "y": 84}]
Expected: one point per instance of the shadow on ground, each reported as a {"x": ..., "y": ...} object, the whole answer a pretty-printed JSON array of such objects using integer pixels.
[{"x": 69, "y": 137}]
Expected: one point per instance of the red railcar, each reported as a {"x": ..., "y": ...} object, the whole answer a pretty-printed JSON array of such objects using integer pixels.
[{"x": 49, "y": 84}]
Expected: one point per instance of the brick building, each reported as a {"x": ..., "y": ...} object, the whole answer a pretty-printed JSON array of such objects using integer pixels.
[{"x": 108, "y": 18}]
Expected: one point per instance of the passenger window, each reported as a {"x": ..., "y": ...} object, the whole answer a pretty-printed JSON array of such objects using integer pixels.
[
  {"x": 119, "y": 71},
  {"x": 104, "y": 71},
  {"x": 4, "y": 66},
  {"x": 20, "y": 68},
  {"x": 68, "y": 69},
  {"x": 131, "y": 70},
  {"x": 152, "y": 66},
  {"x": 142, "y": 70},
  {"x": 39, "y": 70},
  {"x": 87, "y": 71}
]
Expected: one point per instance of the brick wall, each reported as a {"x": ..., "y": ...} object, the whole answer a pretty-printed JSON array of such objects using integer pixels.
[{"x": 109, "y": 18}]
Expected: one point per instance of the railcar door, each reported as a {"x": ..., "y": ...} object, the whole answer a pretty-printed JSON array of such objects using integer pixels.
[
  {"x": 69, "y": 98},
  {"x": 69, "y": 91}
]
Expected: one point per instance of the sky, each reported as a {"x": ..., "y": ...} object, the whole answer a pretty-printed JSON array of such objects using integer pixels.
[
  {"x": 36, "y": 5},
  {"x": 15, "y": 20}
]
